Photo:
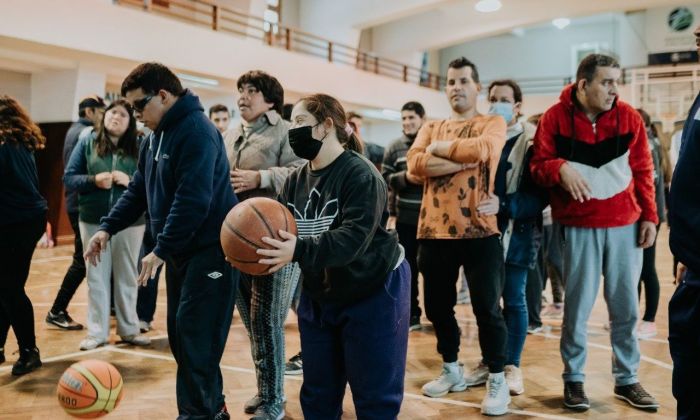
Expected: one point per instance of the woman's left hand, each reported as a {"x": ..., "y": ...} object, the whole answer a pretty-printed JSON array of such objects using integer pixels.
[
  {"x": 282, "y": 253},
  {"x": 120, "y": 178}
]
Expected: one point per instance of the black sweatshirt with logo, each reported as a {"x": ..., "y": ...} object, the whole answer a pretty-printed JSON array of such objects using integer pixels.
[{"x": 344, "y": 251}]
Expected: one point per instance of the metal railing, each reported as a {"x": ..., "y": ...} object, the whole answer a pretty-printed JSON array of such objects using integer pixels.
[{"x": 219, "y": 18}]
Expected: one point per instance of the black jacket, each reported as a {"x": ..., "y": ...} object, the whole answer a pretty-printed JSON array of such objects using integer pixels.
[
  {"x": 343, "y": 249},
  {"x": 684, "y": 200},
  {"x": 20, "y": 199}
]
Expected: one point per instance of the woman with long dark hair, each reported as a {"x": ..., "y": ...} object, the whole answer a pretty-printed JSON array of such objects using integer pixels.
[
  {"x": 22, "y": 222},
  {"x": 100, "y": 169}
]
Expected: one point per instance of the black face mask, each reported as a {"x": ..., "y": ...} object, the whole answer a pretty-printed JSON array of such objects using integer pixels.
[{"x": 303, "y": 144}]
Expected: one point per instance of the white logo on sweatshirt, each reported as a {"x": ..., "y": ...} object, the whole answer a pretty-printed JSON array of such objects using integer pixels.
[
  {"x": 214, "y": 274},
  {"x": 310, "y": 220}
]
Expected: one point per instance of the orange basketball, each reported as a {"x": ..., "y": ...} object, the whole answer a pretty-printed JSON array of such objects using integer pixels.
[
  {"x": 89, "y": 389},
  {"x": 244, "y": 227}
]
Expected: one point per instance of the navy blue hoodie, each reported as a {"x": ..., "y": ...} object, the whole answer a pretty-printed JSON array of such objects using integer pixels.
[
  {"x": 182, "y": 180},
  {"x": 684, "y": 200}
]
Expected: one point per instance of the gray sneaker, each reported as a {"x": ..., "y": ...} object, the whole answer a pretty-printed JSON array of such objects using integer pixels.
[
  {"x": 269, "y": 412},
  {"x": 451, "y": 379},
  {"x": 137, "y": 339},
  {"x": 478, "y": 376},
  {"x": 252, "y": 405}
]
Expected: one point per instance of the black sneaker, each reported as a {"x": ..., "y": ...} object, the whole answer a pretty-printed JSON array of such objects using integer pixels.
[
  {"x": 28, "y": 361},
  {"x": 294, "y": 365},
  {"x": 637, "y": 397},
  {"x": 63, "y": 321},
  {"x": 575, "y": 397},
  {"x": 222, "y": 414},
  {"x": 414, "y": 323}
]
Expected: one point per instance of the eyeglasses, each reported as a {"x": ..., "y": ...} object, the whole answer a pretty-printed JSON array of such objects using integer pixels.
[{"x": 140, "y": 104}]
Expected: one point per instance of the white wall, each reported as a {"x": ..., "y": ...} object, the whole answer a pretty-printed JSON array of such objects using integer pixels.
[
  {"x": 17, "y": 85},
  {"x": 541, "y": 52}
]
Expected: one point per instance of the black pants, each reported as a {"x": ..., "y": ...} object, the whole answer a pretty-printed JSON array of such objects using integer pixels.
[
  {"x": 75, "y": 274},
  {"x": 407, "y": 238},
  {"x": 148, "y": 294},
  {"x": 17, "y": 243},
  {"x": 201, "y": 291},
  {"x": 439, "y": 261},
  {"x": 684, "y": 340},
  {"x": 651, "y": 282}
]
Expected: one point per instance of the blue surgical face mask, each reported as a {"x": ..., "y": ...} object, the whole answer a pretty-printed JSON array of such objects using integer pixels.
[{"x": 504, "y": 109}]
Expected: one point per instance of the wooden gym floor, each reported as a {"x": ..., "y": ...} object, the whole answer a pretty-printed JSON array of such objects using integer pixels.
[{"x": 149, "y": 373}]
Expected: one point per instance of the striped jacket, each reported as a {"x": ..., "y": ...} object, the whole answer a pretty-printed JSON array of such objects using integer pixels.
[
  {"x": 612, "y": 154},
  {"x": 408, "y": 196}
]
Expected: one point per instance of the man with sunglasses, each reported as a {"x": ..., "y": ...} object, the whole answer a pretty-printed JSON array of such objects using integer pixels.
[{"x": 183, "y": 182}]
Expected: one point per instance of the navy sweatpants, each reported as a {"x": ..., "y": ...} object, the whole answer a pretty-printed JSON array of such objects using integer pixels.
[
  {"x": 201, "y": 291},
  {"x": 363, "y": 344},
  {"x": 684, "y": 340}
]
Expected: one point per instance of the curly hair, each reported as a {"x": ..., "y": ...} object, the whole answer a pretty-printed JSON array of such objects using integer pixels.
[{"x": 17, "y": 127}]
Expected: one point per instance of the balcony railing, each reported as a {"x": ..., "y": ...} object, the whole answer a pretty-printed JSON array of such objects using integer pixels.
[{"x": 219, "y": 18}]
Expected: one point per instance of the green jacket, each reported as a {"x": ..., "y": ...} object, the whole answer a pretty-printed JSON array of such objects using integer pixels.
[{"x": 93, "y": 202}]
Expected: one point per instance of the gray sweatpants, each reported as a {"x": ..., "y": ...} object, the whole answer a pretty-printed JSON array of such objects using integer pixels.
[
  {"x": 588, "y": 253},
  {"x": 118, "y": 261}
]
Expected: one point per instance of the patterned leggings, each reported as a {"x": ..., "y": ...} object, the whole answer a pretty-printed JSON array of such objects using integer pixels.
[{"x": 263, "y": 302}]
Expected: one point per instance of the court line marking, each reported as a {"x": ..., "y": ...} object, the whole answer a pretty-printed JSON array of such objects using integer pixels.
[
  {"x": 300, "y": 379},
  {"x": 51, "y": 259}
]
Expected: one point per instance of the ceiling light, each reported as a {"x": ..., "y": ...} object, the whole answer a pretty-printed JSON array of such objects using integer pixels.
[
  {"x": 487, "y": 6},
  {"x": 561, "y": 23},
  {"x": 196, "y": 79}
]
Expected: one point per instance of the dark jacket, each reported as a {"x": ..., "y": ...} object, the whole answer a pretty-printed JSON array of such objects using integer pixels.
[
  {"x": 69, "y": 143},
  {"x": 20, "y": 199},
  {"x": 684, "y": 200},
  {"x": 408, "y": 196},
  {"x": 521, "y": 201},
  {"x": 183, "y": 181},
  {"x": 343, "y": 249},
  {"x": 93, "y": 202}
]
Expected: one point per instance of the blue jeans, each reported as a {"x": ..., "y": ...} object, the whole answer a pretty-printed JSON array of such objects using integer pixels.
[
  {"x": 515, "y": 312},
  {"x": 363, "y": 344}
]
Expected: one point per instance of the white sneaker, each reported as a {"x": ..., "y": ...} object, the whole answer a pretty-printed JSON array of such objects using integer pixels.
[
  {"x": 646, "y": 330},
  {"x": 514, "y": 379},
  {"x": 478, "y": 375},
  {"x": 144, "y": 326},
  {"x": 137, "y": 339},
  {"x": 90, "y": 343},
  {"x": 450, "y": 380},
  {"x": 497, "y": 398}
]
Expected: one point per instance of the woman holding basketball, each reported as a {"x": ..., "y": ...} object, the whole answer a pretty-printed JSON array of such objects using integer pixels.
[
  {"x": 100, "y": 169},
  {"x": 354, "y": 308},
  {"x": 260, "y": 159}
]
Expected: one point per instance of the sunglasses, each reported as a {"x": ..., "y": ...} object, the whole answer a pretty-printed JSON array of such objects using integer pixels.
[{"x": 140, "y": 104}]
